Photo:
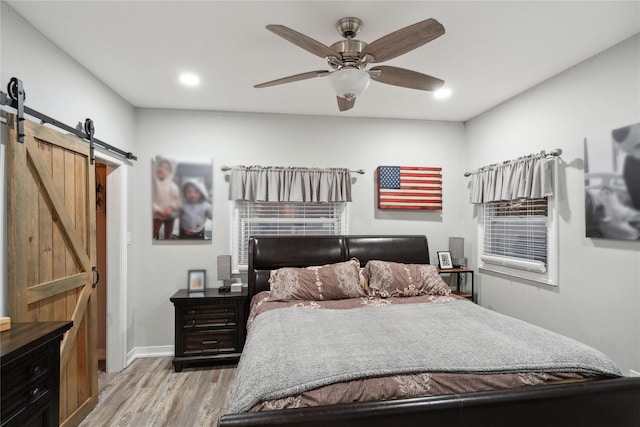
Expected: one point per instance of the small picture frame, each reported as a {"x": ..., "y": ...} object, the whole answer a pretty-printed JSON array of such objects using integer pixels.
[
  {"x": 196, "y": 280},
  {"x": 444, "y": 260}
]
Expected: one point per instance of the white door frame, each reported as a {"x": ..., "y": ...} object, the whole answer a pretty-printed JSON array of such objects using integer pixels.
[
  {"x": 3, "y": 220},
  {"x": 117, "y": 268}
]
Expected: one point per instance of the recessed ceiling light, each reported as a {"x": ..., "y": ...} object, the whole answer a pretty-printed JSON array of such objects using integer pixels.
[
  {"x": 442, "y": 93},
  {"x": 189, "y": 79}
]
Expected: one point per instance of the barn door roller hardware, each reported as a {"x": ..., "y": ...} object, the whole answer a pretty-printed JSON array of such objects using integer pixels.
[
  {"x": 15, "y": 97},
  {"x": 89, "y": 130},
  {"x": 17, "y": 94}
]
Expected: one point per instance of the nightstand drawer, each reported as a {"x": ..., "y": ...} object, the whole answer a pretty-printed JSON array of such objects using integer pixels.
[
  {"x": 210, "y": 342},
  {"x": 210, "y": 316}
]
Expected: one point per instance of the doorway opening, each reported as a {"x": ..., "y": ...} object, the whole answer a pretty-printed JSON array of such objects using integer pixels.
[
  {"x": 112, "y": 254},
  {"x": 102, "y": 170}
]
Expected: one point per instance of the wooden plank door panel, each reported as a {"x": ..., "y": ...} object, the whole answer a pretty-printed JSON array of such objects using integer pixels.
[{"x": 51, "y": 250}]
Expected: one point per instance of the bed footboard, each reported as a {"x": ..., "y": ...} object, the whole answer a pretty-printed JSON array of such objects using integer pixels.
[{"x": 613, "y": 402}]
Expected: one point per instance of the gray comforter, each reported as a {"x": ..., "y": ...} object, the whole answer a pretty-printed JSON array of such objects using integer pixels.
[{"x": 292, "y": 350}]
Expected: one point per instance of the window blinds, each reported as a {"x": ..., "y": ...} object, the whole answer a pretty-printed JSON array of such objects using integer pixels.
[
  {"x": 515, "y": 234},
  {"x": 284, "y": 219}
]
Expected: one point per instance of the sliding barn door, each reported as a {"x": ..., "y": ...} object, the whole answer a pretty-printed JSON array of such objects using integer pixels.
[{"x": 52, "y": 249}]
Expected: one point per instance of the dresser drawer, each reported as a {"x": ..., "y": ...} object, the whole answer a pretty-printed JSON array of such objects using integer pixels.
[
  {"x": 30, "y": 395},
  {"x": 30, "y": 373},
  {"x": 26, "y": 369},
  {"x": 26, "y": 382},
  {"x": 210, "y": 316},
  {"x": 211, "y": 342}
]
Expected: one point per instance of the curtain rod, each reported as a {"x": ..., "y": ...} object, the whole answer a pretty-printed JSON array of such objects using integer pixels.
[
  {"x": 228, "y": 168},
  {"x": 555, "y": 152},
  {"x": 15, "y": 97}
]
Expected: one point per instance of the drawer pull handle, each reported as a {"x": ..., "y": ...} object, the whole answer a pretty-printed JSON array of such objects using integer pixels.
[
  {"x": 191, "y": 312},
  {"x": 35, "y": 371},
  {"x": 193, "y": 323},
  {"x": 209, "y": 342},
  {"x": 34, "y": 393}
]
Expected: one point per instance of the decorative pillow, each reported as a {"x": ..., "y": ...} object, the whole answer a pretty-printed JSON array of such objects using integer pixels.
[
  {"x": 392, "y": 279},
  {"x": 326, "y": 282}
]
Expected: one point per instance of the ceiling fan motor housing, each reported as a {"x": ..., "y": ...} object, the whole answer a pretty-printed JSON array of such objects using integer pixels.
[
  {"x": 349, "y": 27},
  {"x": 350, "y": 50}
]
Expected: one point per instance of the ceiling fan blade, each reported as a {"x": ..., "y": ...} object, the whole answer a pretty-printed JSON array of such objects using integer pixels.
[
  {"x": 405, "y": 78},
  {"x": 294, "y": 78},
  {"x": 404, "y": 40},
  {"x": 345, "y": 104},
  {"x": 305, "y": 42}
]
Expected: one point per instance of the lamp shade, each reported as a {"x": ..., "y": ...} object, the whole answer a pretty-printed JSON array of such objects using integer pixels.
[{"x": 349, "y": 82}]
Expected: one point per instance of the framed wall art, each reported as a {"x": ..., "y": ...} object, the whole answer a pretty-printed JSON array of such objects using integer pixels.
[
  {"x": 409, "y": 187},
  {"x": 182, "y": 199},
  {"x": 612, "y": 184}
]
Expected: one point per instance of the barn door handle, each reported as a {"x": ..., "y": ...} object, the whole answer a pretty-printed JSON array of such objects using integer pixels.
[{"x": 94, "y": 269}]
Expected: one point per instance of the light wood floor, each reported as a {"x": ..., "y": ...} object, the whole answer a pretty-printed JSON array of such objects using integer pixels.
[{"x": 150, "y": 393}]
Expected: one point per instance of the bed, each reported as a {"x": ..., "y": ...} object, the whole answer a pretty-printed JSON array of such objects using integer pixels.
[{"x": 600, "y": 397}]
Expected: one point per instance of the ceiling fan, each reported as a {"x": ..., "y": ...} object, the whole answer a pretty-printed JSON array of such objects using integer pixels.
[{"x": 348, "y": 58}]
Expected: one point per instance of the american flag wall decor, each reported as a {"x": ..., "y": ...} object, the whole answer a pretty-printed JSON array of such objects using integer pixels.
[{"x": 409, "y": 187}]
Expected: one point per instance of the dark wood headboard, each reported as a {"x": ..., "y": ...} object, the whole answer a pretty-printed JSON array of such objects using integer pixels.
[{"x": 269, "y": 253}]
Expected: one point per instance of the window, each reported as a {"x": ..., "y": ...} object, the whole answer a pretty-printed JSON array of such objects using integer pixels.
[
  {"x": 283, "y": 219},
  {"x": 518, "y": 238}
]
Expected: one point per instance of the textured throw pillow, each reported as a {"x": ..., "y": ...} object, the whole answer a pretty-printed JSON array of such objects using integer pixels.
[
  {"x": 392, "y": 279},
  {"x": 326, "y": 282}
]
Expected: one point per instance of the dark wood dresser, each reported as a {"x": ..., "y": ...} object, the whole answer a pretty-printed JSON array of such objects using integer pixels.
[
  {"x": 210, "y": 327},
  {"x": 30, "y": 376}
]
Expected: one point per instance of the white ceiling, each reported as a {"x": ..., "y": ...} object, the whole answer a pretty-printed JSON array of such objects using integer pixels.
[{"x": 491, "y": 50}]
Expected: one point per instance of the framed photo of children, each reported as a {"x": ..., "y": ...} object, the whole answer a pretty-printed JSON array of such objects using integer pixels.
[
  {"x": 181, "y": 193},
  {"x": 444, "y": 260},
  {"x": 197, "y": 280}
]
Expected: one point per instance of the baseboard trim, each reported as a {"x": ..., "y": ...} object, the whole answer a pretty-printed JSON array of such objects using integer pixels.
[{"x": 152, "y": 351}]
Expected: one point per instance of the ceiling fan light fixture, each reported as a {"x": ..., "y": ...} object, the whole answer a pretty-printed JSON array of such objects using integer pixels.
[{"x": 349, "y": 82}]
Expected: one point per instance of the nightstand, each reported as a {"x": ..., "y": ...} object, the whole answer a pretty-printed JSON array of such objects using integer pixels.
[
  {"x": 458, "y": 271},
  {"x": 210, "y": 327}
]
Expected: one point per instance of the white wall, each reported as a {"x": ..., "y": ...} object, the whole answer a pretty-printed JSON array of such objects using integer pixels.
[
  {"x": 275, "y": 140},
  {"x": 598, "y": 300},
  {"x": 57, "y": 86}
]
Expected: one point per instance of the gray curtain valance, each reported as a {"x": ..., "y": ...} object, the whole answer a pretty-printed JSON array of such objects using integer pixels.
[
  {"x": 284, "y": 184},
  {"x": 525, "y": 177}
]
